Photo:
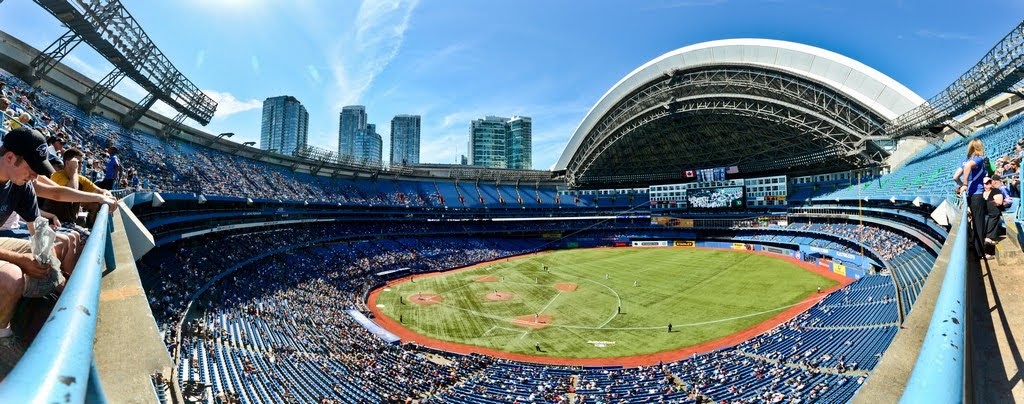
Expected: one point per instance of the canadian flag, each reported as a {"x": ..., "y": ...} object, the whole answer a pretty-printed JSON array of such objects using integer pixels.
[{"x": 689, "y": 173}]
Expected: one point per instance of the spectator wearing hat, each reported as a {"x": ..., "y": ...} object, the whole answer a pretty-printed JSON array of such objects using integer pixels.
[
  {"x": 23, "y": 162},
  {"x": 999, "y": 184},
  {"x": 54, "y": 148}
]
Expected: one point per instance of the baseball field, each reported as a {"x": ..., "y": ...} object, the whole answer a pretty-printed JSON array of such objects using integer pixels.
[{"x": 599, "y": 303}]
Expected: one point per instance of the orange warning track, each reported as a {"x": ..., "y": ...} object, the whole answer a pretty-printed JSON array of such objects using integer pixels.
[{"x": 627, "y": 361}]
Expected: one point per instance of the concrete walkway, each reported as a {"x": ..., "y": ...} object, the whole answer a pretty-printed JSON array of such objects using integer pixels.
[{"x": 997, "y": 325}]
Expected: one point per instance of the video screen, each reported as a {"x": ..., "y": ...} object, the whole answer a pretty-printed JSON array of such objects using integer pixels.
[
  {"x": 715, "y": 198},
  {"x": 706, "y": 175}
]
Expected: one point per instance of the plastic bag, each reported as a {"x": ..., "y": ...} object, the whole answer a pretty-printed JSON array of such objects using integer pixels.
[{"x": 42, "y": 243}]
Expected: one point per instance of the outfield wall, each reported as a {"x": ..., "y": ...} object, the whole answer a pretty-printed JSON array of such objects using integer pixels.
[
  {"x": 842, "y": 263},
  {"x": 850, "y": 265}
]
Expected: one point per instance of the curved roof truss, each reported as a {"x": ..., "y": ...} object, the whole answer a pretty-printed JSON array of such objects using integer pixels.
[
  {"x": 702, "y": 115},
  {"x": 726, "y": 108}
]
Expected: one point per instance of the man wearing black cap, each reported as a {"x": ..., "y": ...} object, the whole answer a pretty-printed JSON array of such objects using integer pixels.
[{"x": 23, "y": 161}]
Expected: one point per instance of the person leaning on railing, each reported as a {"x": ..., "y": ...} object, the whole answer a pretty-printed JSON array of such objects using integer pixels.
[
  {"x": 68, "y": 176},
  {"x": 23, "y": 174},
  {"x": 970, "y": 178}
]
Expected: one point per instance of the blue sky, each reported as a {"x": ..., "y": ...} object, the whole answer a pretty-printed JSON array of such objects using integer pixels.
[{"x": 452, "y": 61}]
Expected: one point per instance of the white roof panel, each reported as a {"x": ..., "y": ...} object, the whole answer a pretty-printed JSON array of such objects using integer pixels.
[{"x": 885, "y": 96}]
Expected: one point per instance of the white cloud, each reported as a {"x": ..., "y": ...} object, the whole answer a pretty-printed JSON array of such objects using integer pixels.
[
  {"x": 200, "y": 58},
  {"x": 442, "y": 149},
  {"x": 924, "y": 33},
  {"x": 228, "y": 104},
  {"x": 457, "y": 118},
  {"x": 130, "y": 90},
  {"x": 87, "y": 69},
  {"x": 163, "y": 109},
  {"x": 313, "y": 73},
  {"x": 377, "y": 36}
]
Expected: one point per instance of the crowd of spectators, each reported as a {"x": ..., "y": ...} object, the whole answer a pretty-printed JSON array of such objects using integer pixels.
[
  {"x": 715, "y": 198},
  {"x": 303, "y": 302},
  {"x": 279, "y": 325},
  {"x": 1007, "y": 167},
  {"x": 39, "y": 192}
]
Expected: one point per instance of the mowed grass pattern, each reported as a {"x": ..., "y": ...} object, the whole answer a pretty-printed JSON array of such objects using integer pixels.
[{"x": 704, "y": 294}]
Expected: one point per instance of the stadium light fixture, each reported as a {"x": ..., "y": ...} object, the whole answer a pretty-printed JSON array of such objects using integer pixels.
[
  {"x": 226, "y": 134},
  {"x": 249, "y": 143}
]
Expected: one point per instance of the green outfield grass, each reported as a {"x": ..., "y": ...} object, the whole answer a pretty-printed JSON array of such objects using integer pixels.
[{"x": 705, "y": 294}]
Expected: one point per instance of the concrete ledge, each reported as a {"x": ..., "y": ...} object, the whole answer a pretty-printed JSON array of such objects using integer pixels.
[
  {"x": 887, "y": 382},
  {"x": 128, "y": 346}
]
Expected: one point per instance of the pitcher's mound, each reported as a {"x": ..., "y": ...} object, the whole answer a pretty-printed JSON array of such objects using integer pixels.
[
  {"x": 566, "y": 287},
  {"x": 500, "y": 296},
  {"x": 533, "y": 322},
  {"x": 425, "y": 298},
  {"x": 486, "y": 278}
]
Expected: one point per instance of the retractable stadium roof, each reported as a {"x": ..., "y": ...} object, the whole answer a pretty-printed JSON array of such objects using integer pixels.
[{"x": 766, "y": 106}]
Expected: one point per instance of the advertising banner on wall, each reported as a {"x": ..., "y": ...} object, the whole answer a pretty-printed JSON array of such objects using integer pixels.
[
  {"x": 839, "y": 268},
  {"x": 652, "y": 243},
  {"x": 848, "y": 258},
  {"x": 684, "y": 243},
  {"x": 739, "y": 246}
]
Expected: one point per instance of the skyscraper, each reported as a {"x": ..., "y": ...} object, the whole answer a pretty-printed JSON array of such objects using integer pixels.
[
  {"x": 520, "y": 143},
  {"x": 405, "y": 139},
  {"x": 369, "y": 145},
  {"x": 351, "y": 120},
  {"x": 501, "y": 142},
  {"x": 285, "y": 125}
]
